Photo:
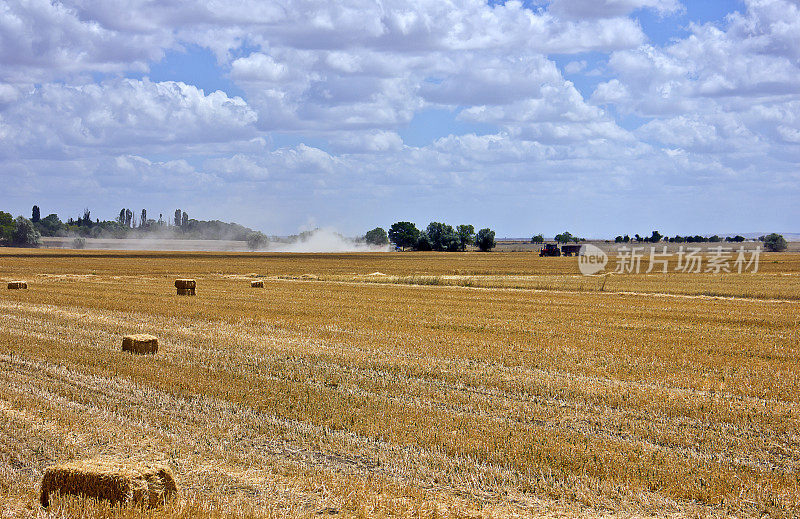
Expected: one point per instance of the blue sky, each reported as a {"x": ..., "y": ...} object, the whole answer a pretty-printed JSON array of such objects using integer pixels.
[{"x": 600, "y": 117}]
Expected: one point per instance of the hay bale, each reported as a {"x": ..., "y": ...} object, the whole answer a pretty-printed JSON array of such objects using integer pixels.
[
  {"x": 257, "y": 284},
  {"x": 110, "y": 479},
  {"x": 185, "y": 291},
  {"x": 17, "y": 285},
  {"x": 140, "y": 344},
  {"x": 185, "y": 283}
]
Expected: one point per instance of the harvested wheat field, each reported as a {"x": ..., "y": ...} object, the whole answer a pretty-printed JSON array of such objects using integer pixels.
[{"x": 404, "y": 385}]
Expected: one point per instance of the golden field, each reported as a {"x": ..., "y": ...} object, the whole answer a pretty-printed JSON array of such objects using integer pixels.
[{"x": 404, "y": 384}]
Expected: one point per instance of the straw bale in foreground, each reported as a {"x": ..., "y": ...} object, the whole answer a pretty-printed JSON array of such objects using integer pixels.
[
  {"x": 17, "y": 285},
  {"x": 140, "y": 343},
  {"x": 256, "y": 284},
  {"x": 186, "y": 292},
  {"x": 110, "y": 479}
]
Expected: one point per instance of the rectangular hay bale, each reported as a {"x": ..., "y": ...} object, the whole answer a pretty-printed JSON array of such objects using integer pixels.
[
  {"x": 256, "y": 284},
  {"x": 186, "y": 292},
  {"x": 17, "y": 285},
  {"x": 141, "y": 344},
  {"x": 185, "y": 283},
  {"x": 110, "y": 479}
]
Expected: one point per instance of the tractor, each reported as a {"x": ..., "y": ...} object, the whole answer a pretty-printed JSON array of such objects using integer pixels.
[{"x": 550, "y": 249}]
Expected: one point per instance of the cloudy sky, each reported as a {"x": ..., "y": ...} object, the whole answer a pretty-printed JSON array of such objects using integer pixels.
[{"x": 594, "y": 116}]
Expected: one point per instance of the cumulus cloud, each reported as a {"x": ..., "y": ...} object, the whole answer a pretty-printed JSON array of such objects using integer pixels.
[
  {"x": 719, "y": 102},
  {"x": 609, "y": 8},
  {"x": 58, "y": 119}
]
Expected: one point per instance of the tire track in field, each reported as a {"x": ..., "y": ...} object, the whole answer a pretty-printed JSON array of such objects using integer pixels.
[
  {"x": 597, "y": 414},
  {"x": 131, "y": 410}
]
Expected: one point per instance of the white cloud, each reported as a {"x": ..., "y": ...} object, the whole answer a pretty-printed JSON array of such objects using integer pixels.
[
  {"x": 57, "y": 119},
  {"x": 609, "y": 8},
  {"x": 610, "y": 92},
  {"x": 573, "y": 67}
]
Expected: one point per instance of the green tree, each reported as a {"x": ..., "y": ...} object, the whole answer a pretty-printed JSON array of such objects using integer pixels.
[
  {"x": 404, "y": 234},
  {"x": 35, "y": 214},
  {"x": 177, "y": 219},
  {"x": 51, "y": 225},
  {"x": 655, "y": 237},
  {"x": 184, "y": 219},
  {"x": 774, "y": 242},
  {"x": 25, "y": 233},
  {"x": 484, "y": 240},
  {"x": 443, "y": 237},
  {"x": 466, "y": 235},
  {"x": 539, "y": 238},
  {"x": 618, "y": 239},
  {"x": 564, "y": 237},
  {"x": 423, "y": 242},
  {"x": 7, "y": 227},
  {"x": 256, "y": 240},
  {"x": 376, "y": 236}
]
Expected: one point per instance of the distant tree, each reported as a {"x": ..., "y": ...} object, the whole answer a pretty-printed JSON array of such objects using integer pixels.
[
  {"x": 715, "y": 239},
  {"x": 87, "y": 218},
  {"x": 626, "y": 239},
  {"x": 423, "y": 242},
  {"x": 143, "y": 221},
  {"x": 128, "y": 217},
  {"x": 738, "y": 238},
  {"x": 184, "y": 219},
  {"x": 484, "y": 240},
  {"x": 404, "y": 234},
  {"x": 637, "y": 238},
  {"x": 774, "y": 242},
  {"x": 655, "y": 237},
  {"x": 177, "y": 219},
  {"x": 539, "y": 238},
  {"x": 376, "y": 236},
  {"x": 443, "y": 237},
  {"x": 35, "y": 214},
  {"x": 466, "y": 235},
  {"x": 121, "y": 217},
  {"x": 7, "y": 227},
  {"x": 564, "y": 237},
  {"x": 618, "y": 239},
  {"x": 51, "y": 225},
  {"x": 257, "y": 240},
  {"x": 25, "y": 233},
  {"x": 160, "y": 219}
]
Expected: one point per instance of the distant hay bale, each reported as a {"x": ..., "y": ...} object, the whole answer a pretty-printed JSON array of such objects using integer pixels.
[
  {"x": 185, "y": 283},
  {"x": 256, "y": 284},
  {"x": 110, "y": 479},
  {"x": 17, "y": 285},
  {"x": 186, "y": 292},
  {"x": 141, "y": 344}
]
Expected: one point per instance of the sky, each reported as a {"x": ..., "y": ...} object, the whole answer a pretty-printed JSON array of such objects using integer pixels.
[{"x": 600, "y": 117}]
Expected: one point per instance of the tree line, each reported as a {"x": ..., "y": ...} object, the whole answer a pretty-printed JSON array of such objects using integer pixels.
[
  {"x": 24, "y": 232},
  {"x": 436, "y": 237}
]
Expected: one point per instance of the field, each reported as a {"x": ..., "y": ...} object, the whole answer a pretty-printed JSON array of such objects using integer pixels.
[{"x": 405, "y": 384}]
